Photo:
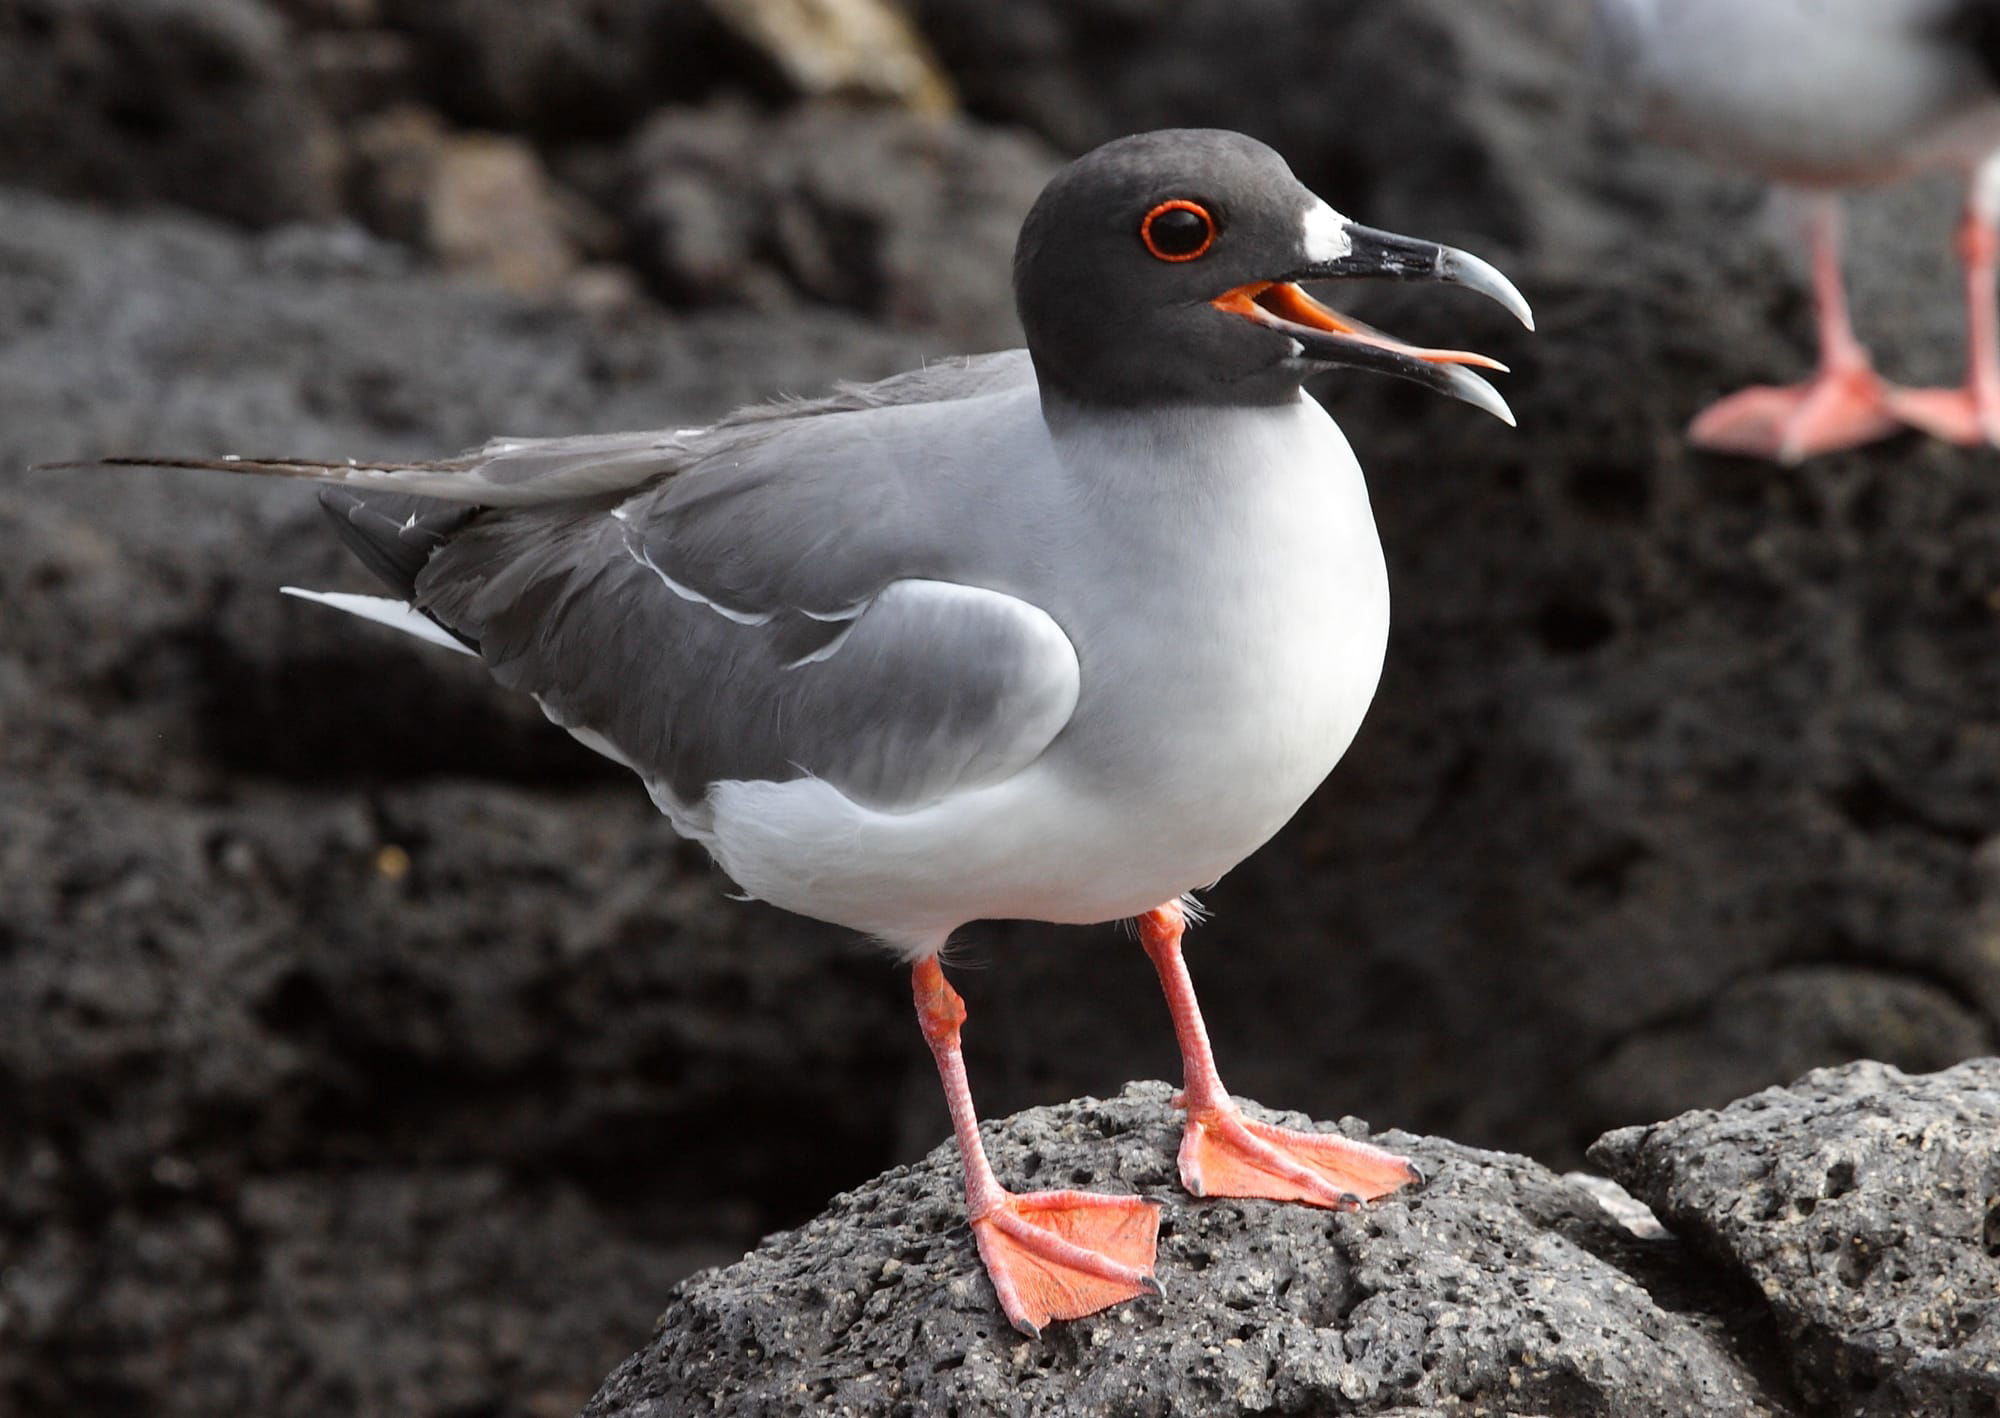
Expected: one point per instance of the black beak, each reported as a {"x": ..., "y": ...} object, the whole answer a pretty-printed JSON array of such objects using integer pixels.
[
  {"x": 1384, "y": 255},
  {"x": 1325, "y": 336}
]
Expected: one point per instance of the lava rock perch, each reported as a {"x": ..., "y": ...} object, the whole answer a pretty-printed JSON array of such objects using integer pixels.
[
  {"x": 1865, "y": 1205},
  {"x": 1497, "y": 1287}
]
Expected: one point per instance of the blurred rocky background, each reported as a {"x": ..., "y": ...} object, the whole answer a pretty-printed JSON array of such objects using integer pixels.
[{"x": 368, "y": 1047}]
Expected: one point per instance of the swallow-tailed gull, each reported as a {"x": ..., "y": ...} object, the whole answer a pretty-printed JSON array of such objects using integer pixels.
[{"x": 1059, "y": 634}]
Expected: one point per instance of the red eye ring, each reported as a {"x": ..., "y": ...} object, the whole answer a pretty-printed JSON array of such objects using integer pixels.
[{"x": 1168, "y": 252}]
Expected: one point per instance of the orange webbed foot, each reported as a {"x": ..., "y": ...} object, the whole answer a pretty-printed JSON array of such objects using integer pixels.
[
  {"x": 1224, "y": 1153},
  {"x": 1063, "y": 1255},
  {"x": 1953, "y": 415},
  {"x": 1840, "y": 409}
]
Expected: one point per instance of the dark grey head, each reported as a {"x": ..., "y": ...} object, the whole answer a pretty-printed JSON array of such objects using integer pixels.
[{"x": 1159, "y": 269}]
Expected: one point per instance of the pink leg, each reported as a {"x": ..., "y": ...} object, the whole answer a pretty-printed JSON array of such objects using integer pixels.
[
  {"x": 1224, "y": 1153},
  {"x": 1051, "y": 1255},
  {"x": 1843, "y": 406},
  {"x": 1968, "y": 415}
]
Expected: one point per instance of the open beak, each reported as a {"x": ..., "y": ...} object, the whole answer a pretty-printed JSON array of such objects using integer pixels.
[{"x": 1325, "y": 336}]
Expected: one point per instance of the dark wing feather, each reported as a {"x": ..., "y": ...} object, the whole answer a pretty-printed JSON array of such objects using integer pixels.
[
  {"x": 923, "y": 689},
  {"x": 393, "y": 534}
]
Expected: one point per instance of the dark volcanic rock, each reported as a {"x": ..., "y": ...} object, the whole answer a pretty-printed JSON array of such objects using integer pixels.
[
  {"x": 1375, "y": 105},
  {"x": 1787, "y": 1022},
  {"x": 198, "y": 102},
  {"x": 397, "y": 1291},
  {"x": 1496, "y": 1287},
  {"x": 569, "y": 67},
  {"x": 906, "y": 219},
  {"x": 1865, "y": 1205},
  {"x": 477, "y": 203}
]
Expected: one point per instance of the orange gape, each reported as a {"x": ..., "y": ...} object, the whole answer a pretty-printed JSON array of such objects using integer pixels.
[{"x": 1281, "y": 302}]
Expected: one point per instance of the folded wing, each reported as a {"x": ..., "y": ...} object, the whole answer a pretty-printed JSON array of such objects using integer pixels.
[{"x": 917, "y": 690}]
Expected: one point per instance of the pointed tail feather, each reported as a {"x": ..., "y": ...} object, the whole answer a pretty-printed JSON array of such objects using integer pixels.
[{"x": 505, "y": 472}]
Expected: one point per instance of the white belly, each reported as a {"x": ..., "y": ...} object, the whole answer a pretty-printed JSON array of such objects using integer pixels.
[{"x": 1230, "y": 643}]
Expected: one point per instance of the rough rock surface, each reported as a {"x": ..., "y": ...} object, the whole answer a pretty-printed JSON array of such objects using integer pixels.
[
  {"x": 907, "y": 220},
  {"x": 189, "y": 101},
  {"x": 478, "y": 204},
  {"x": 1864, "y": 1205},
  {"x": 1497, "y": 1287},
  {"x": 1335, "y": 85},
  {"x": 566, "y": 68},
  {"x": 843, "y": 49}
]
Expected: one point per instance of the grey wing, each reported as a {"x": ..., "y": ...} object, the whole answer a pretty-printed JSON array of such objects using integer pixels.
[
  {"x": 940, "y": 381},
  {"x": 919, "y": 689}
]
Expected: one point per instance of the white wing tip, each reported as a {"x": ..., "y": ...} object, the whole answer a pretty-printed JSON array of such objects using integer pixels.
[{"x": 383, "y": 610}]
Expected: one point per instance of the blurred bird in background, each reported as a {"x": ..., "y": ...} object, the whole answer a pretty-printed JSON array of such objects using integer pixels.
[{"x": 1819, "y": 96}]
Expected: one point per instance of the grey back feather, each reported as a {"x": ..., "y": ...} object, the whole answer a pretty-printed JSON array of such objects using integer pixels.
[
  {"x": 530, "y": 472},
  {"x": 777, "y": 608}
]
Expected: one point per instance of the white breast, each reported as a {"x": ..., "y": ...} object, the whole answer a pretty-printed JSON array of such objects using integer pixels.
[
  {"x": 1247, "y": 610},
  {"x": 1224, "y": 587}
]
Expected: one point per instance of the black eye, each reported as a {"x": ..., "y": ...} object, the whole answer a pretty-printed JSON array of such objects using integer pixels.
[{"x": 1178, "y": 230}]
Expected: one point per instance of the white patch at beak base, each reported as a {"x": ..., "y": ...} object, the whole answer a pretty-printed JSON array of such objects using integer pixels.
[{"x": 1325, "y": 235}]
